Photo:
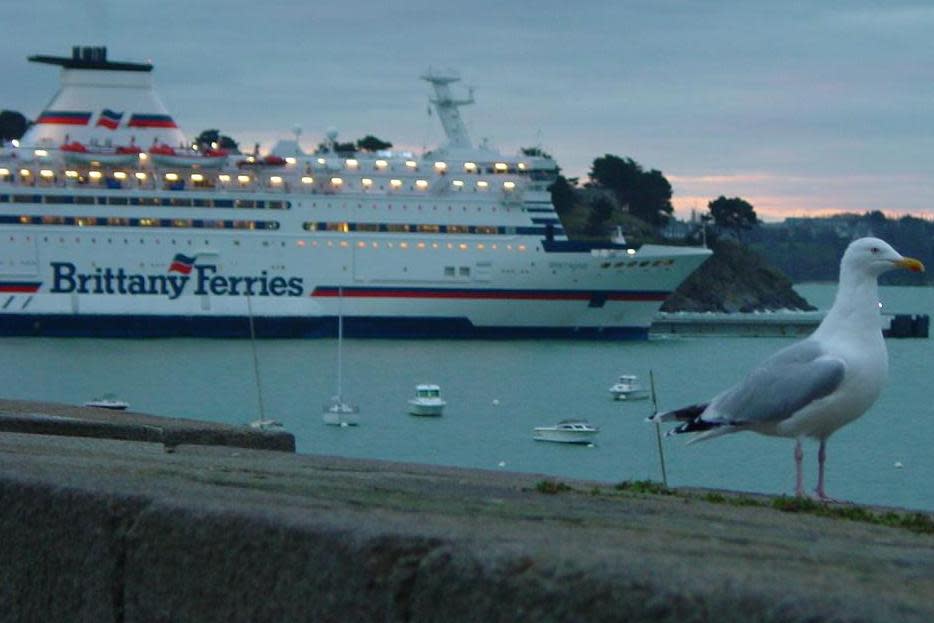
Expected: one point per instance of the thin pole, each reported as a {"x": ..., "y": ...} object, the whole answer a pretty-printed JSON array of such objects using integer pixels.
[
  {"x": 259, "y": 386},
  {"x": 658, "y": 431},
  {"x": 340, "y": 341}
]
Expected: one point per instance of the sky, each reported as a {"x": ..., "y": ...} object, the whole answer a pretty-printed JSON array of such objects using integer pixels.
[{"x": 800, "y": 108}]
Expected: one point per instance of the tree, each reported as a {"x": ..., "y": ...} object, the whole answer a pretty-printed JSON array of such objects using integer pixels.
[
  {"x": 734, "y": 213},
  {"x": 600, "y": 212},
  {"x": 209, "y": 138},
  {"x": 12, "y": 125},
  {"x": 648, "y": 194},
  {"x": 562, "y": 195},
  {"x": 371, "y": 143}
]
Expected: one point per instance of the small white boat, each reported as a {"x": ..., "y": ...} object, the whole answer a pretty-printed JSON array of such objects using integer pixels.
[
  {"x": 628, "y": 387},
  {"x": 567, "y": 431},
  {"x": 267, "y": 426},
  {"x": 108, "y": 402},
  {"x": 339, "y": 413},
  {"x": 427, "y": 400},
  {"x": 166, "y": 156}
]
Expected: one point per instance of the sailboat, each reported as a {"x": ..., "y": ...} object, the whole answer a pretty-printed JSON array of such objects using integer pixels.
[
  {"x": 263, "y": 423},
  {"x": 337, "y": 412}
]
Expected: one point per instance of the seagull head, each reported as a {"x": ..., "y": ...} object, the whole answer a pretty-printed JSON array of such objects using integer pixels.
[{"x": 873, "y": 257}]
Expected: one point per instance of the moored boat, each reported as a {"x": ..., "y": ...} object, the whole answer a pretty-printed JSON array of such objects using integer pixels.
[
  {"x": 427, "y": 400},
  {"x": 628, "y": 387},
  {"x": 567, "y": 431},
  {"x": 108, "y": 401}
]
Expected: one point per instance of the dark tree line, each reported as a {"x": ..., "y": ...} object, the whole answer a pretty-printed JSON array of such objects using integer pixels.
[{"x": 12, "y": 125}]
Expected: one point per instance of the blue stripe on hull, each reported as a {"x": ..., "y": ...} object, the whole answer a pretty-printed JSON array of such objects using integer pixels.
[{"x": 68, "y": 325}]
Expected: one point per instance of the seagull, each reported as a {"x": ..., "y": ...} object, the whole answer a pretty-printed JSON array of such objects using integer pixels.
[{"x": 812, "y": 387}]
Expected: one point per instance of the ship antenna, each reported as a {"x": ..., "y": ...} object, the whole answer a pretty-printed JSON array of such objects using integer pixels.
[{"x": 447, "y": 106}]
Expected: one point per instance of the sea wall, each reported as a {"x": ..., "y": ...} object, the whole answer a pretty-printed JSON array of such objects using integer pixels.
[{"x": 96, "y": 529}]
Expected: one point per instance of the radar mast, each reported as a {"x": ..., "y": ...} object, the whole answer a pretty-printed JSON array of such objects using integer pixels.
[{"x": 447, "y": 106}]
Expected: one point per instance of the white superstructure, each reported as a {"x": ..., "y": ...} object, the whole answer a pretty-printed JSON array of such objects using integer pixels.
[{"x": 459, "y": 242}]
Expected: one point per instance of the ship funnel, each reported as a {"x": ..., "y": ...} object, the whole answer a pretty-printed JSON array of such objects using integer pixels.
[{"x": 102, "y": 102}]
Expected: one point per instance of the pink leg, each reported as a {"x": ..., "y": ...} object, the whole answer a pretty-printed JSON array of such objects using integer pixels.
[
  {"x": 799, "y": 479},
  {"x": 821, "y": 458}
]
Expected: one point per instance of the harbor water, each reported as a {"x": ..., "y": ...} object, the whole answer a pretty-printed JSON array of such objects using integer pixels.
[{"x": 497, "y": 391}]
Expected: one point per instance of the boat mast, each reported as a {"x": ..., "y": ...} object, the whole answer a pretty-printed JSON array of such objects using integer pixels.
[
  {"x": 447, "y": 107},
  {"x": 340, "y": 340}
]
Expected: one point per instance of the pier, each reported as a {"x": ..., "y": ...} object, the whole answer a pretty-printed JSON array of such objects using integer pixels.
[
  {"x": 779, "y": 324},
  {"x": 102, "y": 521}
]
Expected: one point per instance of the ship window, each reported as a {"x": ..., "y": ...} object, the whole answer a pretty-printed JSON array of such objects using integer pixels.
[
  {"x": 117, "y": 221},
  {"x": 59, "y": 199},
  {"x": 149, "y": 201},
  {"x": 215, "y": 224},
  {"x": 275, "y": 205},
  {"x": 223, "y": 203},
  {"x": 485, "y": 229},
  {"x": 85, "y": 221},
  {"x": 117, "y": 201},
  {"x": 53, "y": 220},
  {"x": 367, "y": 226},
  {"x": 181, "y": 222},
  {"x": 27, "y": 198},
  {"x": 464, "y": 271},
  {"x": 458, "y": 229},
  {"x": 148, "y": 222},
  {"x": 449, "y": 271},
  {"x": 398, "y": 227},
  {"x": 201, "y": 203},
  {"x": 244, "y": 225},
  {"x": 181, "y": 202},
  {"x": 429, "y": 229},
  {"x": 244, "y": 203},
  {"x": 4, "y": 198}
]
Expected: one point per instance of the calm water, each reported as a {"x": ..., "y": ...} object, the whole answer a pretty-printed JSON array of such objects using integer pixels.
[{"x": 536, "y": 383}]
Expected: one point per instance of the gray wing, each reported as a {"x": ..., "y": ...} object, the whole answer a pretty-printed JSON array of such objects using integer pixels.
[{"x": 781, "y": 385}]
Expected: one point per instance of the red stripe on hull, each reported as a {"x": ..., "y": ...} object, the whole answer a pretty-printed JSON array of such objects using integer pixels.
[{"x": 491, "y": 295}]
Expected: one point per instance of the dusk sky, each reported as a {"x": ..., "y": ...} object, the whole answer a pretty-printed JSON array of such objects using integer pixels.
[{"x": 801, "y": 108}]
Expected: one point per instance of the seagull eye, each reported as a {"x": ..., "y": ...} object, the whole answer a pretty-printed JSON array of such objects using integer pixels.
[{"x": 874, "y": 250}]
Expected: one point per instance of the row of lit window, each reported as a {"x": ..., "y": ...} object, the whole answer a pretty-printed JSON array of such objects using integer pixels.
[
  {"x": 373, "y": 244},
  {"x": 175, "y": 201},
  {"x": 403, "y": 228},
  {"x": 243, "y": 179},
  {"x": 119, "y": 221},
  {"x": 412, "y": 165}
]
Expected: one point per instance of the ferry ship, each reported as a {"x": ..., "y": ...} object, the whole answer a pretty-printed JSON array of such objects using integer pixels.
[{"x": 114, "y": 225}]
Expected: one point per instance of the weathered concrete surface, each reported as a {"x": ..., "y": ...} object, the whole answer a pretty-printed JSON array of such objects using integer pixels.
[
  {"x": 109, "y": 530},
  {"x": 48, "y": 418}
]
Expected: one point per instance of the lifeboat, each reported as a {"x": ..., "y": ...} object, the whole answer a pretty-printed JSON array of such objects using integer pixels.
[
  {"x": 79, "y": 153},
  {"x": 166, "y": 156},
  {"x": 265, "y": 161}
]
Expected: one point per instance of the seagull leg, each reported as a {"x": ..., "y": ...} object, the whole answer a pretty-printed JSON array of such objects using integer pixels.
[
  {"x": 821, "y": 458},
  {"x": 799, "y": 479}
]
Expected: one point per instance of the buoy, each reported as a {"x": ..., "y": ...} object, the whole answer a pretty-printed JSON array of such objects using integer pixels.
[
  {"x": 502, "y": 463},
  {"x": 898, "y": 465},
  {"x": 495, "y": 402}
]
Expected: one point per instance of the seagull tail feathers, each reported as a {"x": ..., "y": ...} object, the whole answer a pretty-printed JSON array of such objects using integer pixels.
[{"x": 685, "y": 414}]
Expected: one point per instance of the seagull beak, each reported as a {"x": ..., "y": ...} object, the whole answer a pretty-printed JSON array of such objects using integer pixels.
[{"x": 910, "y": 263}]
